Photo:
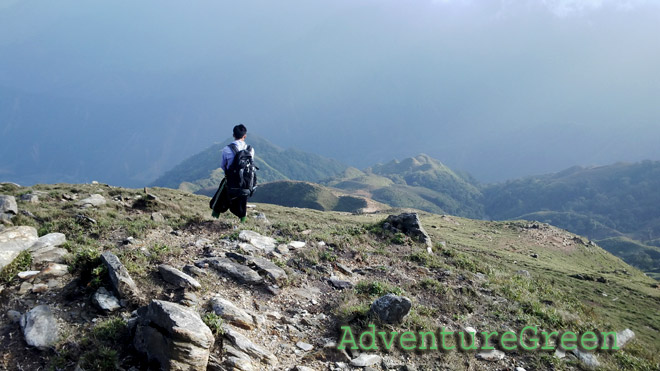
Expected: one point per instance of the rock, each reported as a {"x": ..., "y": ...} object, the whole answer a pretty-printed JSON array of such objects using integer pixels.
[
  {"x": 39, "y": 327},
  {"x": 391, "y": 308},
  {"x": 31, "y": 198},
  {"x": 304, "y": 346},
  {"x": 14, "y": 316},
  {"x": 52, "y": 255},
  {"x": 55, "y": 270},
  {"x": 178, "y": 278},
  {"x": 255, "y": 239},
  {"x": 173, "y": 336},
  {"x": 189, "y": 299},
  {"x": 25, "y": 288},
  {"x": 366, "y": 360},
  {"x": 237, "y": 271},
  {"x": 28, "y": 274},
  {"x": 261, "y": 217},
  {"x": 520, "y": 369},
  {"x": 588, "y": 359},
  {"x": 193, "y": 271},
  {"x": 623, "y": 337},
  {"x": 231, "y": 313},
  {"x": 104, "y": 300},
  {"x": 408, "y": 224},
  {"x": 339, "y": 284},
  {"x": 157, "y": 217},
  {"x": 523, "y": 273},
  {"x": 297, "y": 244},
  {"x": 344, "y": 269},
  {"x": 269, "y": 268},
  {"x": 535, "y": 256},
  {"x": 13, "y": 241},
  {"x": 94, "y": 200},
  {"x": 122, "y": 283},
  {"x": 491, "y": 355},
  {"x": 8, "y": 205},
  {"x": 39, "y": 288},
  {"x": 303, "y": 368},
  {"x": 53, "y": 239},
  {"x": 246, "y": 346},
  {"x": 69, "y": 197},
  {"x": 282, "y": 249}
]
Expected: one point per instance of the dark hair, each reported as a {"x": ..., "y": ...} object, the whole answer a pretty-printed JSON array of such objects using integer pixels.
[{"x": 239, "y": 131}]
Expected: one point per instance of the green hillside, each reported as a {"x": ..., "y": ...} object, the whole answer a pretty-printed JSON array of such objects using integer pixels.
[
  {"x": 419, "y": 182},
  {"x": 202, "y": 171},
  {"x": 306, "y": 195},
  {"x": 609, "y": 204}
]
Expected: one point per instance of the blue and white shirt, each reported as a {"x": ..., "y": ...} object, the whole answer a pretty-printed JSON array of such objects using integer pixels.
[{"x": 228, "y": 154}]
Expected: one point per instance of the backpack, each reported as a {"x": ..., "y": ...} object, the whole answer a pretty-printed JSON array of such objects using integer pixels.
[{"x": 241, "y": 175}]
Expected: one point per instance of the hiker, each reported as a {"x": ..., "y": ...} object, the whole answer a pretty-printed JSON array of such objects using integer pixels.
[{"x": 240, "y": 178}]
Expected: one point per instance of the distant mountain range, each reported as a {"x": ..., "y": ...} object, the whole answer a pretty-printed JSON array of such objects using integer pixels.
[{"x": 617, "y": 206}]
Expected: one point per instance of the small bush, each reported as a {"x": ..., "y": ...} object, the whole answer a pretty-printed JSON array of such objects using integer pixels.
[
  {"x": 214, "y": 322},
  {"x": 376, "y": 288},
  {"x": 22, "y": 262}
]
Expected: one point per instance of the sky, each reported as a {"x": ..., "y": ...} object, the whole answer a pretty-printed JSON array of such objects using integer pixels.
[{"x": 121, "y": 91}]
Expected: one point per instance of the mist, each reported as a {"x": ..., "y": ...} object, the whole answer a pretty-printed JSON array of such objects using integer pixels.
[{"x": 120, "y": 91}]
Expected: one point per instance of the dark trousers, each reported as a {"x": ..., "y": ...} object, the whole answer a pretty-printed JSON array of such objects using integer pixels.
[{"x": 238, "y": 206}]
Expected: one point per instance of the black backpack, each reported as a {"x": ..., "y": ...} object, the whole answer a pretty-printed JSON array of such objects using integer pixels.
[{"x": 241, "y": 174}]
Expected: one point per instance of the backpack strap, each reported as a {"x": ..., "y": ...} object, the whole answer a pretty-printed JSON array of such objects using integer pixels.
[{"x": 233, "y": 148}]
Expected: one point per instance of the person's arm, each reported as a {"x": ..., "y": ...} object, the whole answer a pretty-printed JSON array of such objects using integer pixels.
[{"x": 223, "y": 164}]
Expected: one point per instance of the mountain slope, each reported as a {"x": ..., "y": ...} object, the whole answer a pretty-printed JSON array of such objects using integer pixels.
[
  {"x": 202, "y": 171},
  {"x": 492, "y": 276}
]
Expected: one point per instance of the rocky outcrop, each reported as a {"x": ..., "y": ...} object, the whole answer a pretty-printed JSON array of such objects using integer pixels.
[
  {"x": 173, "y": 336},
  {"x": 13, "y": 241},
  {"x": 391, "y": 308},
  {"x": 246, "y": 346},
  {"x": 408, "y": 224},
  {"x": 122, "y": 283},
  {"x": 39, "y": 327}
]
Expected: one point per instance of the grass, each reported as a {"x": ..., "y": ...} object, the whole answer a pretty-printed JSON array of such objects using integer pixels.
[
  {"x": 214, "y": 322},
  {"x": 21, "y": 263}
]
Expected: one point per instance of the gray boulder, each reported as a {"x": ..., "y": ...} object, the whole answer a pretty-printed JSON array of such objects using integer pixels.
[
  {"x": 104, "y": 300},
  {"x": 366, "y": 360},
  {"x": 13, "y": 241},
  {"x": 8, "y": 205},
  {"x": 255, "y": 239},
  {"x": 173, "y": 336},
  {"x": 178, "y": 278},
  {"x": 231, "y": 313},
  {"x": 39, "y": 327},
  {"x": 94, "y": 200},
  {"x": 408, "y": 224},
  {"x": 391, "y": 308},
  {"x": 269, "y": 268},
  {"x": 122, "y": 283}
]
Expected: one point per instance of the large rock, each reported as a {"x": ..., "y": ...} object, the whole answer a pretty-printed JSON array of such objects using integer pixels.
[
  {"x": 246, "y": 346},
  {"x": 239, "y": 272},
  {"x": 408, "y": 224},
  {"x": 13, "y": 241},
  {"x": 255, "y": 239},
  {"x": 178, "y": 278},
  {"x": 92, "y": 201},
  {"x": 122, "y": 283},
  {"x": 39, "y": 327},
  {"x": 30, "y": 197},
  {"x": 8, "y": 205},
  {"x": 391, "y": 308},
  {"x": 231, "y": 313},
  {"x": 173, "y": 336},
  {"x": 366, "y": 360}
]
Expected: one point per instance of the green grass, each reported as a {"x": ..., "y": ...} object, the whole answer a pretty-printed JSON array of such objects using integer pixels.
[{"x": 21, "y": 263}]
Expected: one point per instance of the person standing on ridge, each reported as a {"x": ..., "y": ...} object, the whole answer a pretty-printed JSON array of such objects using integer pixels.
[{"x": 240, "y": 177}]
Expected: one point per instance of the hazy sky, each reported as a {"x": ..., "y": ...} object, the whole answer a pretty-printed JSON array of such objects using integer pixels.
[{"x": 121, "y": 91}]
